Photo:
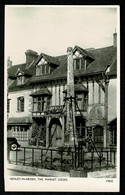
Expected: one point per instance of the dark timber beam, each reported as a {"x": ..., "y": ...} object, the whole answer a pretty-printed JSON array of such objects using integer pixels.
[{"x": 100, "y": 84}]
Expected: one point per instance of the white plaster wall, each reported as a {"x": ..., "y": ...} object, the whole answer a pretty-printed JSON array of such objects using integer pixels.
[
  {"x": 61, "y": 95},
  {"x": 112, "y": 99},
  {"x": 96, "y": 93},
  {"x": 55, "y": 95},
  {"x": 90, "y": 88},
  {"x": 102, "y": 96},
  {"x": 13, "y": 103}
]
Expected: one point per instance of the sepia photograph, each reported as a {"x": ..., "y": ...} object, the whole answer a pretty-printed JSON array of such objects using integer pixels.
[{"x": 62, "y": 98}]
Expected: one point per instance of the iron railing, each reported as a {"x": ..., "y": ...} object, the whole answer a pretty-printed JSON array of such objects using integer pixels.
[{"x": 64, "y": 160}]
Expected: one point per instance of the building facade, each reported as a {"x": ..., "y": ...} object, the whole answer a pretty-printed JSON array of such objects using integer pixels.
[{"x": 37, "y": 92}]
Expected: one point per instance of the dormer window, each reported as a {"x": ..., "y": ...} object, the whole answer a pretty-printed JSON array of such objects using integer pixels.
[
  {"x": 20, "y": 77},
  {"x": 46, "y": 64},
  {"x": 42, "y": 69},
  {"x": 81, "y": 58},
  {"x": 20, "y": 80}
]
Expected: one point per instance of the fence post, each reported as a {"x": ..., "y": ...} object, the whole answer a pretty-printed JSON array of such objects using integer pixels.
[
  {"x": 16, "y": 156},
  {"x": 32, "y": 157},
  {"x": 75, "y": 156},
  {"x": 114, "y": 156},
  {"x": 83, "y": 158},
  {"x": 41, "y": 158},
  {"x": 78, "y": 155},
  {"x": 100, "y": 159},
  {"x": 24, "y": 157},
  {"x": 51, "y": 159},
  {"x": 72, "y": 160},
  {"x": 107, "y": 159},
  {"x": 61, "y": 159},
  {"x": 92, "y": 160}
]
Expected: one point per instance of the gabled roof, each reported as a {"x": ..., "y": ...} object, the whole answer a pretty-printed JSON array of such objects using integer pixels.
[
  {"x": 24, "y": 72},
  {"x": 49, "y": 59},
  {"x": 13, "y": 69},
  {"x": 84, "y": 52}
]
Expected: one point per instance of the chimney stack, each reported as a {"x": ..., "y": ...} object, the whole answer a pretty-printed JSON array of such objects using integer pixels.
[
  {"x": 30, "y": 56},
  {"x": 115, "y": 39},
  {"x": 9, "y": 62}
]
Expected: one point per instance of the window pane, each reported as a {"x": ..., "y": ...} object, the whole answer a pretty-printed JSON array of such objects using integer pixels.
[
  {"x": 82, "y": 63},
  {"x": 77, "y": 64},
  {"x": 43, "y": 68},
  {"x": 37, "y": 70},
  {"x": 20, "y": 104},
  {"x": 8, "y": 105},
  {"x": 34, "y": 106},
  {"x": 39, "y": 106},
  {"x": 47, "y": 69}
]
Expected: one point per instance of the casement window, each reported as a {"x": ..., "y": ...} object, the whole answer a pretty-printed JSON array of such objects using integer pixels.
[
  {"x": 79, "y": 63},
  {"x": 8, "y": 105},
  {"x": 20, "y": 80},
  {"x": 20, "y": 104},
  {"x": 40, "y": 103},
  {"x": 98, "y": 134},
  {"x": 42, "y": 69},
  {"x": 81, "y": 102}
]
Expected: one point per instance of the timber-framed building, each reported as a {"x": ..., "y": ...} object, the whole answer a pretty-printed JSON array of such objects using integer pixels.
[{"x": 37, "y": 90}]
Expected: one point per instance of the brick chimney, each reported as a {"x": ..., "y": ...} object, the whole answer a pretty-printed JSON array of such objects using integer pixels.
[
  {"x": 30, "y": 56},
  {"x": 9, "y": 62},
  {"x": 115, "y": 39}
]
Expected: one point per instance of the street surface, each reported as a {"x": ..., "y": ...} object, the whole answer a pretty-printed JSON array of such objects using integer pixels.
[{"x": 17, "y": 173}]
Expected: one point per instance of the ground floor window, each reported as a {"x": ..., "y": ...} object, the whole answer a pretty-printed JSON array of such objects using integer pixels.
[
  {"x": 98, "y": 136},
  {"x": 113, "y": 135},
  {"x": 19, "y": 132}
]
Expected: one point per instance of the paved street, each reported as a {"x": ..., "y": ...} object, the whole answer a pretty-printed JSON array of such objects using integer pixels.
[{"x": 17, "y": 173}]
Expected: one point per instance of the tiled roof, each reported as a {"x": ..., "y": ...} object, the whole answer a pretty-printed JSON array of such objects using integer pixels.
[
  {"x": 15, "y": 87},
  {"x": 84, "y": 52},
  {"x": 113, "y": 67},
  {"x": 19, "y": 120},
  {"x": 27, "y": 71},
  {"x": 43, "y": 91},
  {"x": 50, "y": 59},
  {"x": 13, "y": 69},
  {"x": 103, "y": 57},
  {"x": 78, "y": 88}
]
